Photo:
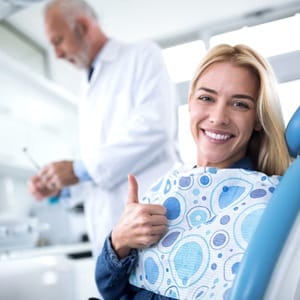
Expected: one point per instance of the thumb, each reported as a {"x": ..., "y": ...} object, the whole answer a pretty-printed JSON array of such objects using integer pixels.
[{"x": 132, "y": 190}]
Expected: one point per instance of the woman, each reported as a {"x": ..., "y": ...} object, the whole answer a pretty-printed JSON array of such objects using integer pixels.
[{"x": 211, "y": 210}]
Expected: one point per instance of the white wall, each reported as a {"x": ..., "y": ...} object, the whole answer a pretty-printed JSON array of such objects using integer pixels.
[{"x": 35, "y": 114}]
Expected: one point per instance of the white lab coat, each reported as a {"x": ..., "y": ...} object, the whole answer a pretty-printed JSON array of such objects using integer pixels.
[{"x": 128, "y": 124}]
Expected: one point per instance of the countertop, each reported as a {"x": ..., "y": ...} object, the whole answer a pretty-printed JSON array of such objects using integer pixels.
[{"x": 71, "y": 250}]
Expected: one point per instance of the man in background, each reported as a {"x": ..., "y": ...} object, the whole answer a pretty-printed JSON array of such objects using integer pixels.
[{"x": 127, "y": 118}]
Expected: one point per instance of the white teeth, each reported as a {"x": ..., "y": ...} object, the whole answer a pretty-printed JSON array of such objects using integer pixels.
[{"x": 216, "y": 136}]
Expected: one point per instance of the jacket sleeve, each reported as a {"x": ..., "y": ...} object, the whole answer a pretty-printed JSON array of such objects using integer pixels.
[{"x": 112, "y": 274}]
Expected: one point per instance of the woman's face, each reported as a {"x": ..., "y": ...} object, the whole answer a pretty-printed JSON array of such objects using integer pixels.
[{"x": 223, "y": 114}]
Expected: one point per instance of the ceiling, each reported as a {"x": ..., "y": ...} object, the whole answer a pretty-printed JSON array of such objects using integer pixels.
[
  {"x": 168, "y": 22},
  {"x": 159, "y": 20}
]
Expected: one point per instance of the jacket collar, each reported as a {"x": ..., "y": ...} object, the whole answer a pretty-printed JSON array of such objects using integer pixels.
[{"x": 109, "y": 52}]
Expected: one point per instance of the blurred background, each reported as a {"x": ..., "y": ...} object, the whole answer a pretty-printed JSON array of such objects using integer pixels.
[{"x": 38, "y": 112}]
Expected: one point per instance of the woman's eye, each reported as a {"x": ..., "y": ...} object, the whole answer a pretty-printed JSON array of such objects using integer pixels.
[
  {"x": 204, "y": 98},
  {"x": 241, "y": 105}
]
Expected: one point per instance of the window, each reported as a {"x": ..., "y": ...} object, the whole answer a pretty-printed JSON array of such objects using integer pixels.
[
  {"x": 289, "y": 93},
  {"x": 182, "y": 60},
  {"x": 269, "y": 39}
]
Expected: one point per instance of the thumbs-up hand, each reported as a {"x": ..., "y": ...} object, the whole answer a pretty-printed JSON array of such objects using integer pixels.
[
  {"x": 132, "y": 190},
  {"x": 140, "y": 225}
]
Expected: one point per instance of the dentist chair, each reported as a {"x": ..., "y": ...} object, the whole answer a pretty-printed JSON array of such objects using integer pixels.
[{"x": 270, "y": 269}]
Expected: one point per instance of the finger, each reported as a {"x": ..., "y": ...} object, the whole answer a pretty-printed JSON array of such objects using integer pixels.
[
  {"x": 132, "y": 190},
  {"x": 39, "y": 196},
  {"x": 47, "y": 172},
  {"x": 148, "y": 241},
  {"x": 31, "y": 183},
  {"x": 44, "y": 171},
  {"x": 156, "y": 209},
  {"x": 158, "y": 230},
  {"x": 158, "y": 220},
  {"x": 46, "y": 179},
  {"x": 34, "y": 179},
  {"x": 35, "y": 184},
  {"x": 52, "y": 186}
]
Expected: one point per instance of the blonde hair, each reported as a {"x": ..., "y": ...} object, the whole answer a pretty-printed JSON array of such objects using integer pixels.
[{"x": 267, "y": 148}]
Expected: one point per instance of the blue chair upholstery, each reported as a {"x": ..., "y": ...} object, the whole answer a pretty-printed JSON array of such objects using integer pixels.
[
  {"x": 269, "y": 238},
  {"x": 292, "y": 134}
]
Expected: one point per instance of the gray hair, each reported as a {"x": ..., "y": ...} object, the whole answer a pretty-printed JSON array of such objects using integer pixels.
[{"x": 71, "y": 9}]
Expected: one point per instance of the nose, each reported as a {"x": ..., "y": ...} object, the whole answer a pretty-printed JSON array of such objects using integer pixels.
[
  {"x": 219, "y": 115},
  {"x": 59, "y": 52}
]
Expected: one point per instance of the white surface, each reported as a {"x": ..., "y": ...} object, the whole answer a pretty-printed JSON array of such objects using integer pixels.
[
  {"x": 37, "y": 278},
  {"x": 47, "y": 278},
  {"x": 47, "y": 274},
  {"x": 36, "y": 114},
  {"x": 84, "y": 270},
  {"x": 18, "y": 232},
  {"x": 45, "y": 251}
]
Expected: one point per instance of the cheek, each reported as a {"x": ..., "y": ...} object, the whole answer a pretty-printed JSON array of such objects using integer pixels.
[
  {"x": 194, "y": 125},
  {"x": 71, "y": 45},
  {"x": 247, "y": 126},
  {"x": 195, "y": 112},
  {"x": 193, "y": 119},
  {"x": 73, "y": 48}
]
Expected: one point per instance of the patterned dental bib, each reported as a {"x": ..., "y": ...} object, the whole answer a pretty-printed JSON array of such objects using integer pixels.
[{"x": 212, "y": 215}]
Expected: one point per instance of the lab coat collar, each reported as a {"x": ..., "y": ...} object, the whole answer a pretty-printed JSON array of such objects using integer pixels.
[{"x": 109, "y": 52}]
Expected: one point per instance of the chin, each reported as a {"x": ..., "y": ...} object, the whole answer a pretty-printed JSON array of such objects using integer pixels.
[{"x": 214, "y": 161}]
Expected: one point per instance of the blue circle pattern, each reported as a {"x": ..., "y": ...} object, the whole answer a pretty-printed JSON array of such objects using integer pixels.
[
  {"x": 185, "y": 182},
  {"x": 173, "y": 208},
  {"x": 219, "y": 239},
  {"x": 212, "y": 214}
]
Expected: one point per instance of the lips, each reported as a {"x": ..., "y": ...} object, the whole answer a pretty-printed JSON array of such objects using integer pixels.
[{"x": 217, "y": 136}]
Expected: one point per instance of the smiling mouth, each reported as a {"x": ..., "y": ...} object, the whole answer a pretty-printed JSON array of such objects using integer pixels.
[{"x": 217, "y": 136}]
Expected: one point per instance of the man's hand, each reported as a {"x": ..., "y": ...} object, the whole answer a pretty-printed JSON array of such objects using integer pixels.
[
  {"x": 40, "y": 191},
  {"x": 51, "y": 179},
  {"x": 140, "y": 226}
]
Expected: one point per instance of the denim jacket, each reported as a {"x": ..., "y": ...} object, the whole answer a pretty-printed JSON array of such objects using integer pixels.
[{"x": 112, "y": 276}]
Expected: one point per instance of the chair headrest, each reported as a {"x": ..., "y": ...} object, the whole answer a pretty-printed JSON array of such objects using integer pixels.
[{"x": 292, "y": 134}]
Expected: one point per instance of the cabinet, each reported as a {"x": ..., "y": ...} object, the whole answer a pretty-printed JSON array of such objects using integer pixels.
[{"x": 49, "y": 273}]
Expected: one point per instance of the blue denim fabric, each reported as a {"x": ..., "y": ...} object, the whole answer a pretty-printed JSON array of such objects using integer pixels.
[{"x": 112, "y": 276}]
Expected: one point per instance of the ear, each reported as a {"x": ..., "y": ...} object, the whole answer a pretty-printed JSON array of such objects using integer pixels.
[{"x": 82, "y": 26}]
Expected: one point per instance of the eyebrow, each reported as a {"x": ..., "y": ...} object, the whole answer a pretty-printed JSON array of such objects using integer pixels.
[{"x": 240, "y": 96}]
